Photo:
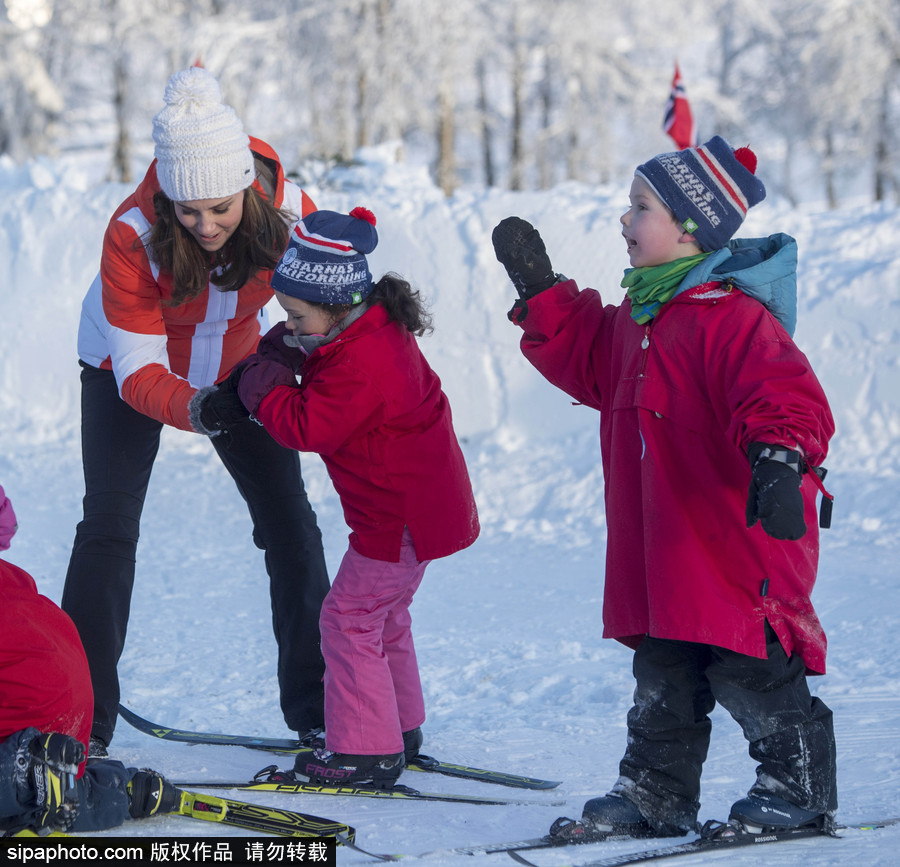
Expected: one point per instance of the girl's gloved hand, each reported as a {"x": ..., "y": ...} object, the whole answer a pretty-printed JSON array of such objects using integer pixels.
[
  {"x": 273, "y": 347},
  {"x": 258, "y": 377}
]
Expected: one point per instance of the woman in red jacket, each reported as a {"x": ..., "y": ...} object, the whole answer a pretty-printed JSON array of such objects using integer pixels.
[
  {"x": 179, "y": 301},
  {"x": 371, "y": 406}
]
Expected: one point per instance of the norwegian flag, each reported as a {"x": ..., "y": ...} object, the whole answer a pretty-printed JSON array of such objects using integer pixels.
[{"x": 679, "y": 122}]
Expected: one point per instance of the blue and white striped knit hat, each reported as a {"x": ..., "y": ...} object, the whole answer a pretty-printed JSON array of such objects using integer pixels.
[
  {"x": 325, "y": 261},
  {"x": 709, "y": 188}
]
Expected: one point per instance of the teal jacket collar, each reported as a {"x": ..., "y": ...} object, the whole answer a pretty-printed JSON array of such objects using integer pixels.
[{"x": 763, "y": 268}]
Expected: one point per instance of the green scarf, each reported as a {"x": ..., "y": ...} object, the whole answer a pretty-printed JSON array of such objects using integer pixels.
[{"x": 649, "y": 288}]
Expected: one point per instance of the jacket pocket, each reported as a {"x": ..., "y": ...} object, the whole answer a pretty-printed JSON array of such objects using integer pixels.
[{"x": 664, "y": 401}]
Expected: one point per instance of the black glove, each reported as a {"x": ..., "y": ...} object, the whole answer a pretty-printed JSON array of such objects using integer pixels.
[
  {"x": 520, "y": 249},
  {"x": 61, "y": 752},
  {"x": 216, "y": 408},
  {"x": 775, "y": 499},
  {"x": 47, "y": 765},
  {"x": 150, "y": 793}
]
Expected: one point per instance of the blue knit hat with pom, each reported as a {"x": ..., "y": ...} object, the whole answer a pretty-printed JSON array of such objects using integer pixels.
[
  {"x": 709, "y": 188},
  {"x": 325, "y": 261}
]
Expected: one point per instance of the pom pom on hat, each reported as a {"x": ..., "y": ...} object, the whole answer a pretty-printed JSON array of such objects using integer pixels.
[
  {"x": 747, "y": 159},
  {"x": 202, "y": 151},
  {"x": 363, "y": 214},
  {"x": 325, "y": 261},
  {"x": 709, "y": 188}
]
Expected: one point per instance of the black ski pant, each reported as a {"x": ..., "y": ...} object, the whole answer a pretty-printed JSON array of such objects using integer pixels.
[
  {"x": 790, "y": 733},
  {"x": 119, "y": 447}
]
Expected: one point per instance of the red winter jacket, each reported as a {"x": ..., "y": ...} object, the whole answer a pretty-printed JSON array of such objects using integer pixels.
[
  {"x": 44, "y": 676},
  {"x": 371, "y": 406},
  {"x": 161, "y": 355},
  {"x": 681, "y": 399}
]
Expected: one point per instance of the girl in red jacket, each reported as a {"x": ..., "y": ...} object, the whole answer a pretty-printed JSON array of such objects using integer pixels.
[
  {"x": 371, "y": 406},
  {"x": 712, "y": 427},
  {"x": 178, "y": 302}
]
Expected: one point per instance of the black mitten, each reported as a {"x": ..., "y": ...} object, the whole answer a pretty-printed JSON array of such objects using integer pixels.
[
  {"x": 520, "y": 249},
  {"x": 216, "y": 408},
  {"x": 775, "y": 499}
]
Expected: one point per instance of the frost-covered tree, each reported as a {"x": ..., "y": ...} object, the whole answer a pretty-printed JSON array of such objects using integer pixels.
[
  {"x": 525, "y": 93},
  {"x": 860, "y": 42},
  {"x": 30, "y": 101}
]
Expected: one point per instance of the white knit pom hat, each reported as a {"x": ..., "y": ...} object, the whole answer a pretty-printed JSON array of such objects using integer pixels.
[{"x": 202, "y": 151}]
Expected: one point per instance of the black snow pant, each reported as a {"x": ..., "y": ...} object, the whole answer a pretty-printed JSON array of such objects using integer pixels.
[
  {"x": 119, "y": 447},
  {"x": 790, "y": 733}
]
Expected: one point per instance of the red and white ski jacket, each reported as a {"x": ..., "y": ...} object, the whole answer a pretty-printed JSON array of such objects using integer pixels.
[{"x": 161, "y": 355}]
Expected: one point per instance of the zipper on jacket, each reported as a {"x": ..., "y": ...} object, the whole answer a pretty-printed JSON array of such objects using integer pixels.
[{"x": 645, "y": 345}]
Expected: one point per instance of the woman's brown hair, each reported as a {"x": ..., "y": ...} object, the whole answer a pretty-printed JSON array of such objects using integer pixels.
[{"x": 256, "y": 245}]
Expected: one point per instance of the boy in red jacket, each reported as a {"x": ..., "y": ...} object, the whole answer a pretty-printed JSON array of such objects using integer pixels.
[
  {"x": 703, "y": 398},
  {"x": 372, "y": 407}
]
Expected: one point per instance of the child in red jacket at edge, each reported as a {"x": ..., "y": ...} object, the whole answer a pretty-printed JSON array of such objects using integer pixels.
[
  {"x": 46, "y": 708},
  {"x": 371, "y": 406},
  {"x": 702, "y": 396}
]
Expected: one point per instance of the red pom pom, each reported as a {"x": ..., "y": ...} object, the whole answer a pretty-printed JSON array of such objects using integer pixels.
[
  {"x": 363, "y": 214},
  {"x": 747, "y": 159}
]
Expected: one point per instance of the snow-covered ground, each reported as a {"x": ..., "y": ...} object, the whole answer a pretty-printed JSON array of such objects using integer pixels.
[{"x": 508, "y": 632}]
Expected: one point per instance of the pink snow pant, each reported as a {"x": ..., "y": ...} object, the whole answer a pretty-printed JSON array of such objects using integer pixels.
[{"x": 372, "y": 689}]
